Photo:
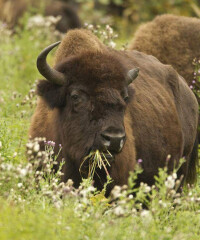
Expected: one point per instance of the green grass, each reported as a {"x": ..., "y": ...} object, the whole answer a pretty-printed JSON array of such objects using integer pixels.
[
  {"x": 28, "y": 213},
  {"x": 39, "y": 221}
]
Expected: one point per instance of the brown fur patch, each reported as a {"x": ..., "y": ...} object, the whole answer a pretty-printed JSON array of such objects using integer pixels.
[
  {"x": 174, "y": 40},
  {"x": 84, "y": 40}
]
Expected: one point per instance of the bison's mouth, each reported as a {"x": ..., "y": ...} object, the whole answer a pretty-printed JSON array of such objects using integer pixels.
[
  {"x": 109, "y": 156},
  {"x": 96, "y": 160},
  {"x": 105, "y": 153}
]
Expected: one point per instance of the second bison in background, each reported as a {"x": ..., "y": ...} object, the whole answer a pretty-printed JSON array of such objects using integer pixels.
[
  {"x": 174, "y": 40},
  {"x": 12, "y": 10},
  {"x": 92, "y": 99}
]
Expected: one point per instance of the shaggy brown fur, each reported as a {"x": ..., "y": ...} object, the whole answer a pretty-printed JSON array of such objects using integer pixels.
[
  {"x": 173, "y": 40},
  {"x": 12, "y": 10},
  {"x": 160, "y": 117},
  {"x": 84, "y": 39}
]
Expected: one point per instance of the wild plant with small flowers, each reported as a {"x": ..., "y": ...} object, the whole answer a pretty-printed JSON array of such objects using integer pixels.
[
  {"x": 195, "y": 86},
  {"x": 36, "y": 202},
  {"x": 105, "y": 34}
]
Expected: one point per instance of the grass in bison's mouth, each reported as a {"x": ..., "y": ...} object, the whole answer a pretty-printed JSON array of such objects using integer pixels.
[{"x": 97, "y": 159}]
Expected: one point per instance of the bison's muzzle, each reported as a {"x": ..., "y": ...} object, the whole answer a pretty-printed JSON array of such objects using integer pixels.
[{"x": 113, "y": 139}]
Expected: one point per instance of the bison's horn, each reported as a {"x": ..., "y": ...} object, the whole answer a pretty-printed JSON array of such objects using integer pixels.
[
  {"x": 44, "y": 68},
  {"x": 132, "y": 74}
]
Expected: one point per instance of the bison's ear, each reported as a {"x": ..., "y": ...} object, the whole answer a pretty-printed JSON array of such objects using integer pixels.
[{"x": 53, "y": 94}]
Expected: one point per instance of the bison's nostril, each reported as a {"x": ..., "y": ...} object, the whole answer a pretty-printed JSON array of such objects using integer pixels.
[
  {"x": 113, "y": 141},
  {"x": 106, "y": 140}
]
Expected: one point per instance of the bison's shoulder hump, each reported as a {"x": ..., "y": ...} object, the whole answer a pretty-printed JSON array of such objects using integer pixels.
[{"x": 76, "y": 42}]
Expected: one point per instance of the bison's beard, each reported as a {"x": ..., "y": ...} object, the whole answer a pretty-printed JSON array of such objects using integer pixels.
[
  {"x": 77, "y": 141},
  {"x": 76, "y": 151}
]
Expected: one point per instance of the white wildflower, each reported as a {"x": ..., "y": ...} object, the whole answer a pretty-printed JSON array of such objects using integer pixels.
[
  {"x": 145, "y": 187},
  {"x": 29, "y": 152},
  {"x": 20, "y": 185},
  {"x": 22, "y": 172},
  {"x": 112, "y": 44},
  {"x": 145, "y": 213},
  {"x": 7, "y": 166},
  {"x": 116, "y": 192},
  {"x": 14, "y": 154},
  {"x": 70, "y": 183},
  {"x": 54, "y": 20},
  {"x": 109, "y": 29},
  {"x": 130, "y": 196},
  {"x": 177, "y": 201},
  {"x": 192, "y": 199},
  {"x": 146, "y": 216},
  {"x": 87, "y": 191},
  {"x": 36, "y": 21},
  {"x": 58, "y": 204},
  {"x": 162, "y": 204},
  {"x": 39, "y": 154},
  {"x": 90, "y": 26},
  {"x": 0, "y": 144},
  {"x": 119, "y": 211},
  {"x": 174, "y": 175},
  {"x": 29, "y": 145},
  {"x": 91, "y": 189},
  {"x": 36, "y": 147},
  {"x": 170, "y": 183}
]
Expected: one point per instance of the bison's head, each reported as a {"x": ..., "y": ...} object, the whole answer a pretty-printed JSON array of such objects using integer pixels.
[{"x": 91, "y": 91}]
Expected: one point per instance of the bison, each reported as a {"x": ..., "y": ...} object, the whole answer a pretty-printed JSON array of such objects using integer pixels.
[
  {"x": 94, "y": 98},
  {"x": 11, "y": 11},
  {"x": 174, "y": 40}
]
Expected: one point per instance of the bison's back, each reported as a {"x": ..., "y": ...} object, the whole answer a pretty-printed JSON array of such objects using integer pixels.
[
  {"x": 164, "y": 114},
  {"x": 10, "y": 12},
  {"x": 173, "y": 40}
]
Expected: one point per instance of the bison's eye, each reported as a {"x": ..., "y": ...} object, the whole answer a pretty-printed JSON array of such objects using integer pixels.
[
  {"x": 79, "y": 100},
  {"x": 126, "y": 98},
  {"x": 75, "y": 96}
]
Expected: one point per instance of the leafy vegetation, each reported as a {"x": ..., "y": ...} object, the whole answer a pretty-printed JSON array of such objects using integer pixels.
[{"x": 37, "y": 207}]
